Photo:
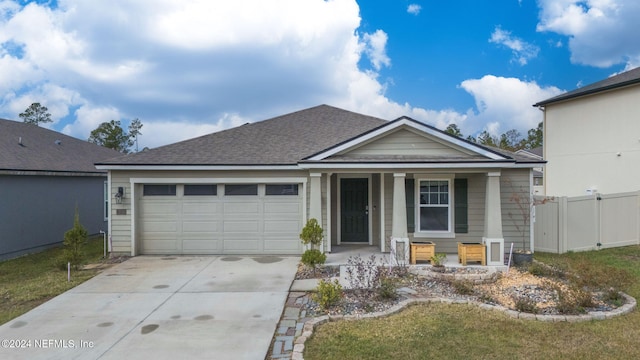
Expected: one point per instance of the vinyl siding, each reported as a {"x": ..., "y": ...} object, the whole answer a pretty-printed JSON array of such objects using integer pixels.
[
  {"x": 406, "y": 142},
  {"x": 582, "y": 139},
  {"x": 515, "y": 184}
]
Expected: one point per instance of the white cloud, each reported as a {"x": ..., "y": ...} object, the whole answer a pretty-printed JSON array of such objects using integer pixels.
[
  {"x": 190, "y": 67},
  {"x": 414, "y": 9},
  {"x": 522, "y": 51},
  {"x": 601, "y": 32},
  {"x": 89, "y": 117},
  {"x": 505, "y": 103},
  {"x": 376, "y": 48}
]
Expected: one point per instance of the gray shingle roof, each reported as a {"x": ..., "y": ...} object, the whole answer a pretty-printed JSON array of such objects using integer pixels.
[
  {"x": 283, "y": 140},
  {"x": 624, "y": 79},
  {"x": 46, "y": 150}
]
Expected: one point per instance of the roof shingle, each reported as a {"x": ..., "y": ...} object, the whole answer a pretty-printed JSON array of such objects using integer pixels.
[
  {"x": 283, "y": 140},
  {"x": 27, "y": 147}
]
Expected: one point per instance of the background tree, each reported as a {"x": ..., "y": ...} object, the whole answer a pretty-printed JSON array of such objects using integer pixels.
[
  {"x": 511, "y": 140},
  {"x": 110, "y": 135},
  {"x": 534, "y": 137},
  {"x": 454, "y": 130},
  {"x": 486, "y": 139},
  {"x": 134, "y": 130},
  {"x": 36, "y": 114}
]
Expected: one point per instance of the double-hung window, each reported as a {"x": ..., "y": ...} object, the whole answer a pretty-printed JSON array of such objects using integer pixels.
[{"x": 434, "y": 206}]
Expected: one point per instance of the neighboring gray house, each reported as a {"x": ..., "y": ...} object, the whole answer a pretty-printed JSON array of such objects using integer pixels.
[
  {"x": 251, "y": 189},
  {"x": 44, "y": 175}
]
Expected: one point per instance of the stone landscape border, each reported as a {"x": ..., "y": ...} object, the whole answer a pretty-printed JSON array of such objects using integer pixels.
[{"x": 310, "y": 325}]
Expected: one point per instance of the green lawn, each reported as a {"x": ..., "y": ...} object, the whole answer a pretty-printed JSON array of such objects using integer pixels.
[
  {"x": 31, "y": 280},
  {"x": 465, "y": 331}
]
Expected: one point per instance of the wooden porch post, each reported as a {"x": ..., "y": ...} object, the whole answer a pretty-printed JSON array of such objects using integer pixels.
[{"x": 493, "y": 236}]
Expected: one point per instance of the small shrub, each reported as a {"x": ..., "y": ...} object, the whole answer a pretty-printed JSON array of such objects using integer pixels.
[
  {"x": 313, "y": 258},
  {"x": 572, "y": 300},
  {"x": 525, "y": 304},
  {"x": 438, "y": 259},
  {"x": 613, "y": 297},
  {"x": 463, "y": 287},
  {"x": 74, "y": 240},
  {"x": 327, "y": 293},
  {"x": 387, "y": 288},
  {"x": 312, "y": 233},
  {"x": 486, "y": 298},
  {"x": 539, "y": 269}
]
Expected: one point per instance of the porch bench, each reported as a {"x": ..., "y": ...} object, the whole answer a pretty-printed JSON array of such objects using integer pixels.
[
  {"x": 472, "y": 252},
  {"x": 421, "y": 251}
]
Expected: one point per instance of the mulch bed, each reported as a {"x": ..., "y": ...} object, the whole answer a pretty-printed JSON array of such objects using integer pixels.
[{"x": 518, "y": 283}]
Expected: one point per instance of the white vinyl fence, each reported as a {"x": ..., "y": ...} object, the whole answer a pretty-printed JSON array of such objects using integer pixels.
[{"x": 583, "y": 223}]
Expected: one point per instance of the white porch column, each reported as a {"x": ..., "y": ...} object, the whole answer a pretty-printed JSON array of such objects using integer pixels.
[
  {"x": 399, "y": 236},
  {"x": 492, "y": 236},
  {"x": 315, "y": 201}
]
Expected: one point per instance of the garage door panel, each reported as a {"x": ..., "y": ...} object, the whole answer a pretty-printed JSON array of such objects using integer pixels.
[
  {"x": 278, "y": 208},
  {"x": 281, "y": 226},
  {"x": 200, "y": 227},
  {"x": 242, "y": 244},
  {"x": 200, "y": 209},
  {"x": 241, "y": 227},
  {"x": 161, "y": 246},
  {"x": 205, "y": 245},
  {"x": 241, "y": 207},
  {"x": 159, "y": 227},
  {"x": 161, "y": 208},
  {"x": 283, "y": 245}
]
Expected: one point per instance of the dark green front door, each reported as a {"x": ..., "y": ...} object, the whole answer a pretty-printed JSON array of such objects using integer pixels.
[{"x": 354, "y": 210}]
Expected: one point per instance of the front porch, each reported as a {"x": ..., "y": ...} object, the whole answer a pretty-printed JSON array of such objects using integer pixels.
[
  {"x": 390, "y": 211},
  {"x": 341, "y": 253}
]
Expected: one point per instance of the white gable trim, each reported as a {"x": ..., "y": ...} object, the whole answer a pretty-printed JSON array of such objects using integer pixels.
[{"x": 404, "y": 121}]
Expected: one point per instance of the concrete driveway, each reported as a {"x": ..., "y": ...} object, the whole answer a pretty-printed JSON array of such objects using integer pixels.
[{"x": 152, "y": 307}]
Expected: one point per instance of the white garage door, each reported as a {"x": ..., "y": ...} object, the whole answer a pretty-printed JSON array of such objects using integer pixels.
[{"x": 219, "y": 219}]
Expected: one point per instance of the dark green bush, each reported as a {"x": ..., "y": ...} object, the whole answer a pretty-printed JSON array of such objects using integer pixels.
[{"x": 313, "y": 258}]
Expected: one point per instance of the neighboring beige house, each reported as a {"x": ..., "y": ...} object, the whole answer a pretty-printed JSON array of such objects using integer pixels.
[
  {"x": 592, "y": 138},
  {"x": 251, "y": 189}
]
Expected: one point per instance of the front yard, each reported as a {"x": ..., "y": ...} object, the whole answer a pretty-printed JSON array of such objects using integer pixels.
[
  {"x": 467, "y": 331},
  {"x": 31, "y": 280}
]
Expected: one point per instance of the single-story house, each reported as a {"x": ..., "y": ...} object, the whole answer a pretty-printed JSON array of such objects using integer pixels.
[
  {"x": 251, "y": 189},
  {"x": 44, "y": 176},
  {"x": 591, "y": 138}
]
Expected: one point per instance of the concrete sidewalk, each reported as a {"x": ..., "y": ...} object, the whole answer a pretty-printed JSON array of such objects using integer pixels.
[{"x": 186, "y": 307}]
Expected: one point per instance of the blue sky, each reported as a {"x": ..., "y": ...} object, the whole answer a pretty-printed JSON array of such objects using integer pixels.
[{"x": 191, "y": 67}]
